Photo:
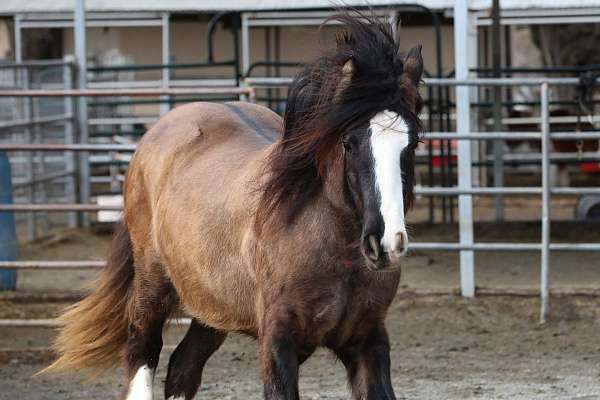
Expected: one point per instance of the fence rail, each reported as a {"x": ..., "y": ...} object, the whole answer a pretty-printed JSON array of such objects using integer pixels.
[
  {"x": 67, "y": 147},
  {"x": 250, "y": 92},
  {"x": 464, "y": 190}
]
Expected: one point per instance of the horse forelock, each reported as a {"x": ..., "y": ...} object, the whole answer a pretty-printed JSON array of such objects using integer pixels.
[{"x": 319, "y": 112}]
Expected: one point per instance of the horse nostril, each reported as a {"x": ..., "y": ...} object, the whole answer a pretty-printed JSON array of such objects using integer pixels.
[{"x": 373, "y": 248}]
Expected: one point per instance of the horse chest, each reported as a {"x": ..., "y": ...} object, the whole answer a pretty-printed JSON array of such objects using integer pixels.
[{"x": 354, "y": 305}]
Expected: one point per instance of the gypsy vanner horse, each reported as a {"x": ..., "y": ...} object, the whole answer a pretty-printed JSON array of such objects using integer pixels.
[{"x": 296, "y": 242}]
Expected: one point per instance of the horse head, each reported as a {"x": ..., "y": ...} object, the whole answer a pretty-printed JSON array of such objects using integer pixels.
[{"x": 358, "y": 103}]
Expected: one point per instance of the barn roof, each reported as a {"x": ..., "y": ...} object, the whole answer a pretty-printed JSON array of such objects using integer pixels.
[{"x": 9, "y": 7}]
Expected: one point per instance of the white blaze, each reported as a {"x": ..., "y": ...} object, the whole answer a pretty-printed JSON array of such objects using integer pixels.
[
  {"x": 388, "y": 138},
  {"x": 140, "y": 387}
]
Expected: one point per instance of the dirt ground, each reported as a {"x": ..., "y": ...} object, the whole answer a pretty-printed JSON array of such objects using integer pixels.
[{"x": 443, "y": 346}]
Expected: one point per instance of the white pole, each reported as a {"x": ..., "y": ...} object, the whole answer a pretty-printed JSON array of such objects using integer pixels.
[
  {"x": 18, "y": 40},
  {"x": 545, "y": 256},
  {"x": 166, "y": 59},
  {"x": 82, "y": 112},
  {"x": 245, "y": 45},
  {"x": 463, "y": 126}
]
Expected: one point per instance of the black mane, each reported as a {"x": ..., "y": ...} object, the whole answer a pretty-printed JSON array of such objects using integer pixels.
[{"x": 318, "y": 113}]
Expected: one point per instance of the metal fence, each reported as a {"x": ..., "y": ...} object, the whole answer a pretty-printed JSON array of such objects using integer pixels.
[
  {"x": 43, "y": 127},
  {"x": 465, "y": 189},
  {"x": 39, "y": 176}
]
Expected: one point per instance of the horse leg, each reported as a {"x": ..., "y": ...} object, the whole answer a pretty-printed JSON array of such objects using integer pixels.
[
  {"x": 187, "y": 361},
  {"x": 282, "y": 350},
  {"x": 367, "y": 363},
  {"x": 152, "y": 301}
]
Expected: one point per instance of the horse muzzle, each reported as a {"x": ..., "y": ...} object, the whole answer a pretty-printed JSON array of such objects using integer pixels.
[{"x": 384, "y": 257}]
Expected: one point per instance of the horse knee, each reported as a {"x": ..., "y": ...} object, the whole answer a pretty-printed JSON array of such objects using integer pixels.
[
  {"x": 141, "y": 357},
  {"x": 282, "y": 350},
  {"x": 184, "y": 373},
  {"x": 152, "y": 302},
  {"x": 367, "y": 362}
]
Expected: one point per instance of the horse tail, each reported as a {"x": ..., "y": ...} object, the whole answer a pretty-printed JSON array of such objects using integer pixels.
[{"x": 93, "y": 332}]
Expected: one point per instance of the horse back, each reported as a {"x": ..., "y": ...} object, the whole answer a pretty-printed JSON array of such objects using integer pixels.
[
  {"x": 191, "y": 184},
  {"x": 187, "y": 133}
]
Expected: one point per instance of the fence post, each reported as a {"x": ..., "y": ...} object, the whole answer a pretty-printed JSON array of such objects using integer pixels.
[
  {"x": 545, "y": 256},
  {"x": 29, "y": 164},
  {"x": 39, "y": 157},
  {"x": 82, "y": 111},
  {"x": 165, "y": 106},
  {"x": 71, "y": 182},
  {"x": 8, "y": 236},
  {"x": 245, "y": 45},
  {"x": 463, "y": 126},
  {"x": 498, "y": 145}
]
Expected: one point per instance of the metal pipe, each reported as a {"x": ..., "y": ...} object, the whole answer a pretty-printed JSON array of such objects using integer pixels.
[
  {"x": 519, "y": 81},
  {"x": 18, "y": 42},
  {"x": 449, "y": 246},
  {"x": 441, "y": 246},
  {"x": 30, "y": 173},
  {"x": 564, "y": 191},
  {"x": 45, "y": 178},
  {"x": 166, "y": 58},
  {"x": 463, "y": 122},
  {"x": 486, "y": 191},
  {"x": 70, "y": 161},
  {"x": 574, "y": 247},
  {"x": 492, "y": 191},
  {"x": 44, "y": 264},
  {"x": 498, "y": 145},
  {"x": 545, "y": 245},
  {"x": 574, "y": 135},
  {"x": 235, "y": 31},
  {"x": 125, "y": 92},
  {"x": 168, "y": 65},
  {"x": 51, "y": 323},
  {"x": 34, "y": 63},
  {"x": 66, "y": 147},
  {"x": 83, "y": 167},
  {"x": 501, "y": 81},
  {"x": 575, "y": 190},
  {"x": 556, "y": 157},
  {"x": 543, "y": 70},
  {"x": 285, "y": 64},
  {"x": 57, "y": 207},
  {"x": 430, "y": 175},
  {"x": 245, "y": 45},
  {"x": 511, "y": 135},
  {"x": 35, "y": 121}
]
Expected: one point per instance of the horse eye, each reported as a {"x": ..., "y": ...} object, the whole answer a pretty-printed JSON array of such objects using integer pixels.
[{"x": 347, "y": 145}]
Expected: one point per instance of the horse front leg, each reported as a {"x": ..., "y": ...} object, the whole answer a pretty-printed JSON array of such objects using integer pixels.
[
  {"x": 367, "y": 363},
  {"x": 281, "y": 353}
]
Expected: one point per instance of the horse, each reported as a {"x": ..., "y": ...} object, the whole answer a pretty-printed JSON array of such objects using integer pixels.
[{"x": 290, "y": 231}]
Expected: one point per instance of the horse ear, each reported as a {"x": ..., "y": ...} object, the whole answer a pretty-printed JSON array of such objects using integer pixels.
[
  {"x": 345, "y": 79},
  {"x": 413, "y": 64}
]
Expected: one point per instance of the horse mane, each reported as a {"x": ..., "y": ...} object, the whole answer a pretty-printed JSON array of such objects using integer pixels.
[{"x": 322, "y": 105}]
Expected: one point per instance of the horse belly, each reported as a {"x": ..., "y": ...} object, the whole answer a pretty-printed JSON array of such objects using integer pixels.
[
  {"x": 204, "y": 257},
  {"x": 223, "y": 299}
]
